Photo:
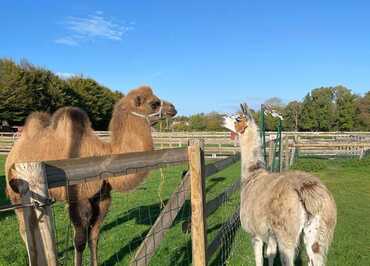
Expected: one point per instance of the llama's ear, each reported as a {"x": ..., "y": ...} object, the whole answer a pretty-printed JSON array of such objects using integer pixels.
[
  {"x": 246, "y": 111},
  {"x": 242, "y": 108},
  {"x": 139, "y": 101}
]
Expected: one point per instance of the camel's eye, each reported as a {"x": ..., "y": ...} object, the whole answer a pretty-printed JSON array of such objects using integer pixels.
[{"x": 155, "y": 104}]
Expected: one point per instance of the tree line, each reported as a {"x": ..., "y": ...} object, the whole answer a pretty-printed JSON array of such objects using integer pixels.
[
  {"x": 25, "y": 88},
  {"x": 322, "y": 109}
]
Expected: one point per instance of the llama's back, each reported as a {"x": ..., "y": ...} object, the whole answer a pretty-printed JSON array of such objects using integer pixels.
[
  {"x": 321, "y": 212},
  {"x": 284, "y": 205},
  {"x": 302, "y": 208}
]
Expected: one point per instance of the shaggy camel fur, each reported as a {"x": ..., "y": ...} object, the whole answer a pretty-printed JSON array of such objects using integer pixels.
[
  {"x": 278, "y": 208},
  {"x": 68, "y": 134}
]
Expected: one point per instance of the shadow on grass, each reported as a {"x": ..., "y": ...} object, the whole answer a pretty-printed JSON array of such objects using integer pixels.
[
  {"x": 144, "y": 215},
  {"x": 126, "y": 250},
  {"x": 147, "y": 215},
  {"x": 3, "y": 198},
  {"x": 215, "y": 181}
]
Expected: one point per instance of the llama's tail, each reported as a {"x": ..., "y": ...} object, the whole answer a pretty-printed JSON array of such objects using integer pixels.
[{"x": 321, "y": 217}]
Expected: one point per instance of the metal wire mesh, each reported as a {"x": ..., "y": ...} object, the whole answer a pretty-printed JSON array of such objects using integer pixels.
[
  {"x": 223, "y": 223},
  {"x": 132, "y": 215},
  {"x": 129, "y": 220}
]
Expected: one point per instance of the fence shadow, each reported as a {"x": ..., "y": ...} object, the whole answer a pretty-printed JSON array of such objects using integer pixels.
[
  {"x": 138, "y": 214},
  {"x": 214, "y": 180},
  {"x": 3, "y": 198},
  {"x": 126, "y": 250}
]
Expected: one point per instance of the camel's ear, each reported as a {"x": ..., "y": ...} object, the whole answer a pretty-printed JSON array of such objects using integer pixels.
[{"x": 139, "y": 101}]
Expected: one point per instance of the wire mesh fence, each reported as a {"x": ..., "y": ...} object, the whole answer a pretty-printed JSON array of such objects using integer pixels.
[
  {"x": 127, "y": 223},
  {"x": 125, "y": 227},
  {"x": 223, "y": 222},
  {"x": 130, "y": 219}
]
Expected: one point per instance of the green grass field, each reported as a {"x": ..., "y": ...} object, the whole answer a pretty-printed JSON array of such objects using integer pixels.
[{"x": 132, "y": 215}]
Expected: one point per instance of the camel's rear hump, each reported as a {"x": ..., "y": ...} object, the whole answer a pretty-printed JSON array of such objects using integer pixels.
[{"x": 70, "y": 124}]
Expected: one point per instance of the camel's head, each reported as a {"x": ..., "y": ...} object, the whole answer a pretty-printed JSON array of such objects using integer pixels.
[
  {"x": 238, "y": 123},
  {"x": 144, "y": 103}
]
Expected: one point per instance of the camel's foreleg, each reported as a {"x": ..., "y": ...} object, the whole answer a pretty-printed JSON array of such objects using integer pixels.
[
  {"x": 100, "y": 209},
  {"x": 80, "y": 213}
]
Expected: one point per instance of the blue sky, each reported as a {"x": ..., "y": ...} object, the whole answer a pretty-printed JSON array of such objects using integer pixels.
[{"x": 201, "y": 55}]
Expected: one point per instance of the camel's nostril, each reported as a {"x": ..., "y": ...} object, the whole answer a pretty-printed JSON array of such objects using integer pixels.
[{"x": 174, "y": 111}]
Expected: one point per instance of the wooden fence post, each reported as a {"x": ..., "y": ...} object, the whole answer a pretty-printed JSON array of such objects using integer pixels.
[
  {"x": 198, "y": 221},
  {"x": 40, "y": 235}
]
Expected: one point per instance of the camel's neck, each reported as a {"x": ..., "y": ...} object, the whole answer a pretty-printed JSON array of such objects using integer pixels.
[
  {"x": 251, "y": 154},
  {"x": 130, "y": 133}
]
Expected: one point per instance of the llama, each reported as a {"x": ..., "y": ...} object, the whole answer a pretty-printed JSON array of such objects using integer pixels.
[
  {"x": 68, "y": 134},
  {"x": 276, "y": 209}
]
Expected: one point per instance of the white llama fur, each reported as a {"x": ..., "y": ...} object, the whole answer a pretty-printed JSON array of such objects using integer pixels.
[{"x": 276, "y": 209}]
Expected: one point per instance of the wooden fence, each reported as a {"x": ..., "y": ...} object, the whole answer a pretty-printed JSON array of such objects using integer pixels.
[
  {"x": 220, "y": 144},
  {"x": 35, "y": 178}
]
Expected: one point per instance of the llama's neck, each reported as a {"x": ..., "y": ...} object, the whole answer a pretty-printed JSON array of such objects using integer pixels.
[
  {"x": 250, "y": 149},
  {"x": 130, "y": 133}
]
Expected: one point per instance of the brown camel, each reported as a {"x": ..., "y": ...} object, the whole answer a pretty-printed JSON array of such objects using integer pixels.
[{"x": 68, "y": 134}]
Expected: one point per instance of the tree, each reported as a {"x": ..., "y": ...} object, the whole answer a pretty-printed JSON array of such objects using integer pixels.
[
  {"x": 25, "y": 88},
  {"x": 97, "y": 100},
  {"x": 363, "y": 112},
  {"x": 277, "y": 104},
  {"x": 214, "y": 122},
  {"x": 307, "y": 116},
  {"x": 345, "y": 109},
  {"x": 198, "y": 122},
  {"x": 291, "y": 115}
]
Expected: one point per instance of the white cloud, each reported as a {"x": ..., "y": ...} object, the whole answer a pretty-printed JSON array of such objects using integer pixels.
[
  {"x": 68, "y": 40},
  {"x": 95, "y": 26},
  {"x": 65, "y": 75}
]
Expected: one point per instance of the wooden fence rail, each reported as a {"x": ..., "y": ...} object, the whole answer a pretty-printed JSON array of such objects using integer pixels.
[
  {"x": 158, "y": 231},
  {"x": 50, "y": 174},
  {"x": 35, "y": 178},
  {"x": 221, "y": 145}
]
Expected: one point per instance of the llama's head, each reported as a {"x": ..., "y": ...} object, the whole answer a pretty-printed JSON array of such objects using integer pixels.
[
  {"x": 142, "y": 102},
  {"x": 240, "y": 122}
]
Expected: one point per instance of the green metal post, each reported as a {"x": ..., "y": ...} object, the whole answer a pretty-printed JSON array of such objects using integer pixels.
[
  {"x": 280, "y": 150},
  {"x": 275, "y": 167},
  {"x": 262, "y": 132}
]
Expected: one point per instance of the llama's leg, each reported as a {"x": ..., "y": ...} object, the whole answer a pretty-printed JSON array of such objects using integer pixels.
[
  {"x": 258, "y": 250},
  {"x": 271, "y": 250},
  {"x": 315, "y": 249},
  {"x": 100, "y": 210},
  {"x": 287, "y": 256},
  {"x": 80, "y": 214}
]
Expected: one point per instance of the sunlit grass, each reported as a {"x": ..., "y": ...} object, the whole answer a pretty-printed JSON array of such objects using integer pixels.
[{"x": 132, "y": 215}]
